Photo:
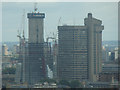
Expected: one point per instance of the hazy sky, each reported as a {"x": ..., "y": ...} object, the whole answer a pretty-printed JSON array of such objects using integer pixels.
[{"x": 70, "y": 13}]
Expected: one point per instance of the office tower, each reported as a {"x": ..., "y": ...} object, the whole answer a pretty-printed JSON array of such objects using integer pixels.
[
  {"x": 35, "y": 63},
  {"x": 72, "y": 53},
  {"x": 80, "y": 50}
]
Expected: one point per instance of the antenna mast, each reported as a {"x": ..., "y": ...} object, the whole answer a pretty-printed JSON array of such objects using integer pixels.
[
  {"x": 35, "y": 6},
  {"x": 23, "y": 23}
]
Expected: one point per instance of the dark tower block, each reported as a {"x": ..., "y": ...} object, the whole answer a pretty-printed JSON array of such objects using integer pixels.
[{"x": 80, "y": 50}]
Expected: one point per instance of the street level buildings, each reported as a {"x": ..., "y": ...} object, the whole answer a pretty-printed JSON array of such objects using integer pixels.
[
  {"x": 110, "y": 73},
  {"x": 80, "y": 50}
]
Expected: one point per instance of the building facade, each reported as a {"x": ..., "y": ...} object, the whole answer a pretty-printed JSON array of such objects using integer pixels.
[
  {"x": 80, "y": 50},
  {"x": 110, "y": 73}
]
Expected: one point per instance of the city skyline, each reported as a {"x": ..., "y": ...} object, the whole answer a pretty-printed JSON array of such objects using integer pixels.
[
  {"x": 60, "y": 45},
  {"x": 55, "y": 11}
]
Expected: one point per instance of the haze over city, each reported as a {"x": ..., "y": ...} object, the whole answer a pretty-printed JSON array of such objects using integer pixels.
[{"x": 68, "y": 13}]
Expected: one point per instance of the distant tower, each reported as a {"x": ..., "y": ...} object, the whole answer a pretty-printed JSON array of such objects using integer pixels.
[
  {"x": 35, "y": 64},
  {"x": 4, "y": 50}
]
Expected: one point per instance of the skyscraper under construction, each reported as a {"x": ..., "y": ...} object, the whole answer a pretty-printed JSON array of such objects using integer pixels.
[
  {"x": 80, "y": 49},
  {"x": 35, "y": 64}
]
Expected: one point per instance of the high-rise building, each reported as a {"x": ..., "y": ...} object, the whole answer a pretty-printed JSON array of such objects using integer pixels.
[
  {"x": 80, "y": 50},
  {"x": 35, "y": 68}
]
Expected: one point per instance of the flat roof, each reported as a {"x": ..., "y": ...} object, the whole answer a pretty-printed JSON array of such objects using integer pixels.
[
  {"x": 71, "y": 27},
  {"x": 36, "y": 15}
]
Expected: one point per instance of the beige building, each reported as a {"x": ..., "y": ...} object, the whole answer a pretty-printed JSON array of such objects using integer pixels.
[{"x": 4, "y": 50}]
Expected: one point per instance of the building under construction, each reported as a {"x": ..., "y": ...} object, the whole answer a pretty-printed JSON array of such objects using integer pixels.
[
  {"x": 35, "y": 54},
  {"x": 35, "y": 68}
]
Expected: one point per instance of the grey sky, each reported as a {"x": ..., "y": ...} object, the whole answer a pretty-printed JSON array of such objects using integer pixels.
[{"x": 70, "y": 13}]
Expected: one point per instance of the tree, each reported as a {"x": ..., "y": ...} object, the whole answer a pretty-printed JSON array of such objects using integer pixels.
[
  {"x": 64, "y": 82},
  {"x": 9, "y": 70},
  {"x": 48, "y": 80},
  {"x": 74, "y": 84}
]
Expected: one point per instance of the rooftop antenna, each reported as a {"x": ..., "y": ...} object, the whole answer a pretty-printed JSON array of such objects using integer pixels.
[
  {"x": 23, "y": 23},
  {"x": 59, "y": 21},
  {"x": 23, "y": 35},
  {"x": 35, "y": 6}
]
